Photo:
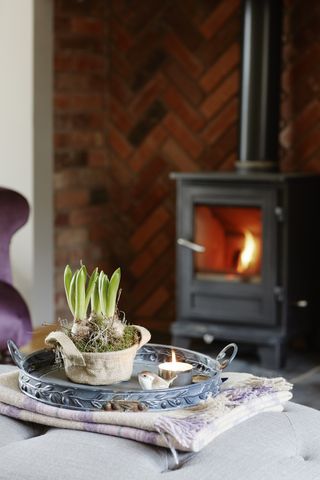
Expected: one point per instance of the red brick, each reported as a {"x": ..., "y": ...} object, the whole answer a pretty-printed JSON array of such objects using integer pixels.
[
  {"x": 78, "y": 139},
  {"x": 183, "y": 55},
  {"x": 87, "y": 177},
  {"x": 286, "y": 110},
  {"x": 148, "y": 148},
  {"x": 61, "y": 24},
  {"x": 224, "y": 65},
  {"x": 87, "y": 26},
  {"x": 221, "y": 95},
  {"x": 94, "y": 8},
  {"x": 220, "y": 151},
  {"x": 178, "y": 157},
  {"x": 80, "y": 82},
  {"x": 308, "y": 145},
  {"x": 149, "y": 202},
  {"x": 182, "y": 23},
  {"x": 97, "y": 158},
  {"x": 71, "y": 82},
  {"x": 119, "y": 117},
  {"x": 99, "y": 232},
  {"x": 61, "y": 219},
  {"x": 150, "y": 226},
  {"x": 141, "y": 263},
  {"x": 73, "y": 253},
  {"x": 121, "y": 65},
  {"x": 84, "y": 102},
  {"x": 90, "y": 120},
  {"x": 118, "y": 143},
  {"x": 218, "y": 17},
  {"x": 305, "y": 63},
  {"x": 219, "y": 125},
  {"x": 120, "y": 36},
  {"x": 287, "y": 79},
  {"x": 145, "y": 286},
  {"x": 182, "y": 108},
  {"x": 152, "y": 171},
  {"x": 88, "y": 215},
  {"x": 156, "y": 137},
  {"x": 151, "y": 91},
  {"x": 119, "y": 89},
  {"x": 228, "y": 164},
  {"x": 145, "y": 42},
  {"x": 67, "y": 199},
  {"x": 80, "y": 43},
  {"x": 312, "y": 164},
  {"x": 154, "y": 302},
  {"x": 76, "y": 62},
  {"x": 71, "y": 236},
  {"x": 307, "y": 119},
  {"x": 182, "y": 134},
  {"x": 184, "y": 82},
  {"x": 79, "y": 121},
  {"x": 160, "y": 243},
  {"x": 120, "y": 171}
]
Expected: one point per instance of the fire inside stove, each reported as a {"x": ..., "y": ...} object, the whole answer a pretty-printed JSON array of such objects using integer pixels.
[{"x": 231, "y": 238}]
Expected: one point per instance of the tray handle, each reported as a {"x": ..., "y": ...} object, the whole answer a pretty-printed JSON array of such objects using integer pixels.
[
  {"x": 222, "y": 359},
  {"x": 15, "y": 353}
]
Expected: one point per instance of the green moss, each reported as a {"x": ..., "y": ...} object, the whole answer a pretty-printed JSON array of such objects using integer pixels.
[{"x": 129, "y": 338}]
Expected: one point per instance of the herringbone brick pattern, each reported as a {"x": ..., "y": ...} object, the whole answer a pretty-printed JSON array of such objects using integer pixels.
[
  {"x": 178, "y": 67},
  {"x": 143, "y": 88},
  {"x": 300, "y": 115}
]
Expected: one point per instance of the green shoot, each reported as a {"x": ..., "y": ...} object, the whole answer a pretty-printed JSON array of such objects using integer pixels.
[
  {"x": 112, "y": 293},
  {"x": 100, "y": 292}
]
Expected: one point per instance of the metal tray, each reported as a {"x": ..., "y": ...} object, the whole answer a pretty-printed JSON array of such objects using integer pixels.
[{"x": 42, "y": 379}]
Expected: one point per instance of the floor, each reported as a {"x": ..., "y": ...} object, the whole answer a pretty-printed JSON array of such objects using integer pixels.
[{"x": 302, "y": 366}]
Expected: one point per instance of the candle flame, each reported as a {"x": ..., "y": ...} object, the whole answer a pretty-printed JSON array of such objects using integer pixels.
[{"x": 174, "y": 360}]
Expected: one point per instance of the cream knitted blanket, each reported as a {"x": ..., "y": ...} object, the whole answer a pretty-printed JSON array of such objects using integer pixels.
[{"x": 242, "y": 396}]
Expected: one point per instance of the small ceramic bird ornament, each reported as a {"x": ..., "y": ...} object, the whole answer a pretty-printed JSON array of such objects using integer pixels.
[{"x": 152, "y": 381}]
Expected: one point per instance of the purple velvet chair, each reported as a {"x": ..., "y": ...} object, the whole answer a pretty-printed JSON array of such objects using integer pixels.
[{"x": 15, "y": 322}]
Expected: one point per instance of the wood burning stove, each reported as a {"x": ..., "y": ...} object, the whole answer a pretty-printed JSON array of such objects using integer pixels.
[
  {"x": 247, "y": 254},
  {"x": 247, "y": 259}
]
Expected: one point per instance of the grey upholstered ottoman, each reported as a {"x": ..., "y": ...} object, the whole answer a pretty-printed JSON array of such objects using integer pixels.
[{"x": 270, "y": 446}]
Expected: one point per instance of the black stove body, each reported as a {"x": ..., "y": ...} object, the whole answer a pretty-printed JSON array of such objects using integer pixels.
[{"x": 275, "y": 295}]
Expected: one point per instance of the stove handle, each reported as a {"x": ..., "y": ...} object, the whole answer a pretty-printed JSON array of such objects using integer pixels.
[
  {"x": 191, "y": 245},
  {"x": 300, "y": 303}
]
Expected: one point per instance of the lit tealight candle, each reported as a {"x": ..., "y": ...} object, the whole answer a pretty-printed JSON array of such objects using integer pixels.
[{"x": 181, "y": 370}]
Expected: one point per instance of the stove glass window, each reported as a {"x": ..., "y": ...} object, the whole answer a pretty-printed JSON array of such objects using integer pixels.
[{"x": 231, "y": 238}]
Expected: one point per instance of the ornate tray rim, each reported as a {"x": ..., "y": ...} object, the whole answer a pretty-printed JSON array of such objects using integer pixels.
[{"x": 92, "y": 398}]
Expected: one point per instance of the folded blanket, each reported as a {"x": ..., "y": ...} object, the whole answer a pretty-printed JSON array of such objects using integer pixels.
[{"x": 242, "y": 396}]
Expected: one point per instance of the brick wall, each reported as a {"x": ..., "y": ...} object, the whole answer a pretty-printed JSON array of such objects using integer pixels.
[
  {"x": 300, "y": 109},
  {"x": 143, "y": 88}
]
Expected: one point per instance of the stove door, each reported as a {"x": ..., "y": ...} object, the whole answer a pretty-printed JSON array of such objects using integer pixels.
[{"x": 227, "y": 253}]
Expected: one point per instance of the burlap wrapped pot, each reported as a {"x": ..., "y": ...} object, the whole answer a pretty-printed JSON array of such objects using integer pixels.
[{"x": 97, "y": 368}]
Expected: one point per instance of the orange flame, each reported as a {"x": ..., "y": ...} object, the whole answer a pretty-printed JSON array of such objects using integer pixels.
[{"x": 248, "y": 252}]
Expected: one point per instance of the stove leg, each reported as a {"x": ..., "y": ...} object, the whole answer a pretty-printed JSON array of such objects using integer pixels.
[
  {"x": 182, "y": 342},
  {"x": 272, "y": 356}
]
